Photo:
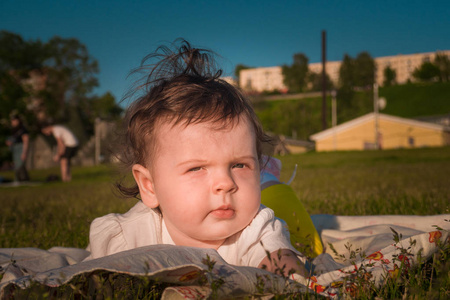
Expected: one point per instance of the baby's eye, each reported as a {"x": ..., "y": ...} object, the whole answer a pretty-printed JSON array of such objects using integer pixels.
[
  {"x": 195, "y": 169},
  {"x": 239, "y": 166}
]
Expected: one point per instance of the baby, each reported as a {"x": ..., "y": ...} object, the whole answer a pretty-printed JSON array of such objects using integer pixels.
[{"x": 194, "y": 147}]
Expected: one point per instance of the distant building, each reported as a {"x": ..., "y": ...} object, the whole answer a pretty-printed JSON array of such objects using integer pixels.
[
  {"x": 271, "y": 78},
  {"x": 404, "y": 65},
  {"x": 281, "y": 145},
  {"x": 331, "y": 67},
  {"x": 437, "y": 119},
  {"x": 393, "y": 133},
  {"x": 229, "y": 79},
  {"x": 262, "y": 79},
  {"x": 287, "y": 145}
]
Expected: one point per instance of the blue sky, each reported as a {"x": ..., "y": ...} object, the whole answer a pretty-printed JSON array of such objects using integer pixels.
[{"x": 256, "y": 33}]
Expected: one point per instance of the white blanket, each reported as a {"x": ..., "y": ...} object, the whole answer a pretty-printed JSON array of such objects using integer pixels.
[{"x": 371, "y": 239}]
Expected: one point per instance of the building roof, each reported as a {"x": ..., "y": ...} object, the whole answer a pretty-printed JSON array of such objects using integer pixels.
[{"x": 368, "y": 117}]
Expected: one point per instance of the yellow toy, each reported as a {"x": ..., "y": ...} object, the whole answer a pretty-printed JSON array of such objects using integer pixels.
[{"x": 282, "y": 199}]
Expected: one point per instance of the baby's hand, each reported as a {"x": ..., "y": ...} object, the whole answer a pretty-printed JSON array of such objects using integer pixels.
[{"x": 283, "y": 262}]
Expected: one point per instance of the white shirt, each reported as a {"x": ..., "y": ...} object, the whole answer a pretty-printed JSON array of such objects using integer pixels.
[
  {"x": 65, "y": 135},
  {"x": 142, "y": 226}
]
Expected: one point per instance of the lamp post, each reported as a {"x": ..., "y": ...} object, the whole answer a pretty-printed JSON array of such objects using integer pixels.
[
  {"x": 375, "y": 112},
  {"x": 334, "y": 117},
  {"x": 378, "y": 103}
]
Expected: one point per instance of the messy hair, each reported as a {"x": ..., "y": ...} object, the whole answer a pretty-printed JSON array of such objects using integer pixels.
[{"x": 184, "y": 87}]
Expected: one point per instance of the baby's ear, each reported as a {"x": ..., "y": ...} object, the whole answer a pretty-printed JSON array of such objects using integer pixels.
[{"x": 145, "y": 183}]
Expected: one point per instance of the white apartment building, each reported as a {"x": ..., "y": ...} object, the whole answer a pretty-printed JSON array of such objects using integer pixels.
[
  {"x": 271, "y": 78},
  {"x": 404, "y": 65},
  {"x": 262, "y": 79},
  {"x": 331, "y": 67}
]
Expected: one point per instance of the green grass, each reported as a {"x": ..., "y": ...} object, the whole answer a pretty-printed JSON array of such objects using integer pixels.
[
  {"x": 415, "y": 100},
  {"x": 414, "y": 181},
  {"x": 57, "y": 213},
  {"x": 376, "y": 182}
]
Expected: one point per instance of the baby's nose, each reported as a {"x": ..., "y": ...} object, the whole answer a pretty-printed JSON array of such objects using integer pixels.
[{"x": 224, "y": 183}]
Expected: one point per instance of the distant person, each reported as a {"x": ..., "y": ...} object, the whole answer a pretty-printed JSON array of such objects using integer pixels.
[
  {"x": 19, "y": 142},
  {"x": 67, "y": 147}
]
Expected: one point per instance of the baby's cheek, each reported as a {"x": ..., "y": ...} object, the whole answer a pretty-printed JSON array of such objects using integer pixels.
[{"x": 254, "y": 207}]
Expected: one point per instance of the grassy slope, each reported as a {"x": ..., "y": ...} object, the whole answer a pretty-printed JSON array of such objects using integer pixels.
[
  {"x": 284, "y": 116},
  {"x": 304, "y": 115},
  {"x": 415, "y": 100}
]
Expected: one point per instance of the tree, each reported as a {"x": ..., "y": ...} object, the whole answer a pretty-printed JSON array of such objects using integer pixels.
[
  {"x": 315, "y": 82},
  {"x": 390, "y": 76},
  {"x": 237, "y": 72},
  {"x": 49, "y": 81},
  {"x": 17, "y": 54},
  {"x": 295, "y": 76},
  {"x": 357, "y": 73},
  {"x": 43, "y": 78},
  {"x": 17, "y": 59},
  {"x": 364, "y": 71},
  {"x": 346, "y": 72},
  {"x": 346, "y": 80},
  {"x": 71, "y": 71},
  {"x": 104, "y": 107},
  {"x": 353, "y": 74},
  {"x": 426, "y": 72},
  {"x": 443, "y": 63}
]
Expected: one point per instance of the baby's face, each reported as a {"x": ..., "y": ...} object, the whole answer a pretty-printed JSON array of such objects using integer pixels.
[{"x": 206, "y": 181}]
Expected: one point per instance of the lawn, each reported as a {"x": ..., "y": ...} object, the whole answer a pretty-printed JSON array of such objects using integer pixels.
[
  {"x": 374, "y": 182},
  {"x": 414, "y": 181}
]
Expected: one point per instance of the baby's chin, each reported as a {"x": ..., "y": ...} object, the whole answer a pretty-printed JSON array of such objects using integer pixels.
[
  {"x": 225, "y": 234},
  {"x": 221, "y": 229}
]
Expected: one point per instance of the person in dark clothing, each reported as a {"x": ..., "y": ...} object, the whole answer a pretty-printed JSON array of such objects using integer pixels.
[{"x": 19, "y": 142}]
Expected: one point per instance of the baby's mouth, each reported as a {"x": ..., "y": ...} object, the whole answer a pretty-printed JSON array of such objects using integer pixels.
[{"x": 223, "y": 212}]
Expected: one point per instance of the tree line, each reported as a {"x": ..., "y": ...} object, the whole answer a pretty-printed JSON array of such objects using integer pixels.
[
  {"x": 50, "y": 81},
  {"x": 354, "y": 74}
]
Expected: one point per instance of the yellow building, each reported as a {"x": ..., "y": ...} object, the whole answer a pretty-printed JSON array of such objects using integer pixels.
[{"x": 393, "y": 132}]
